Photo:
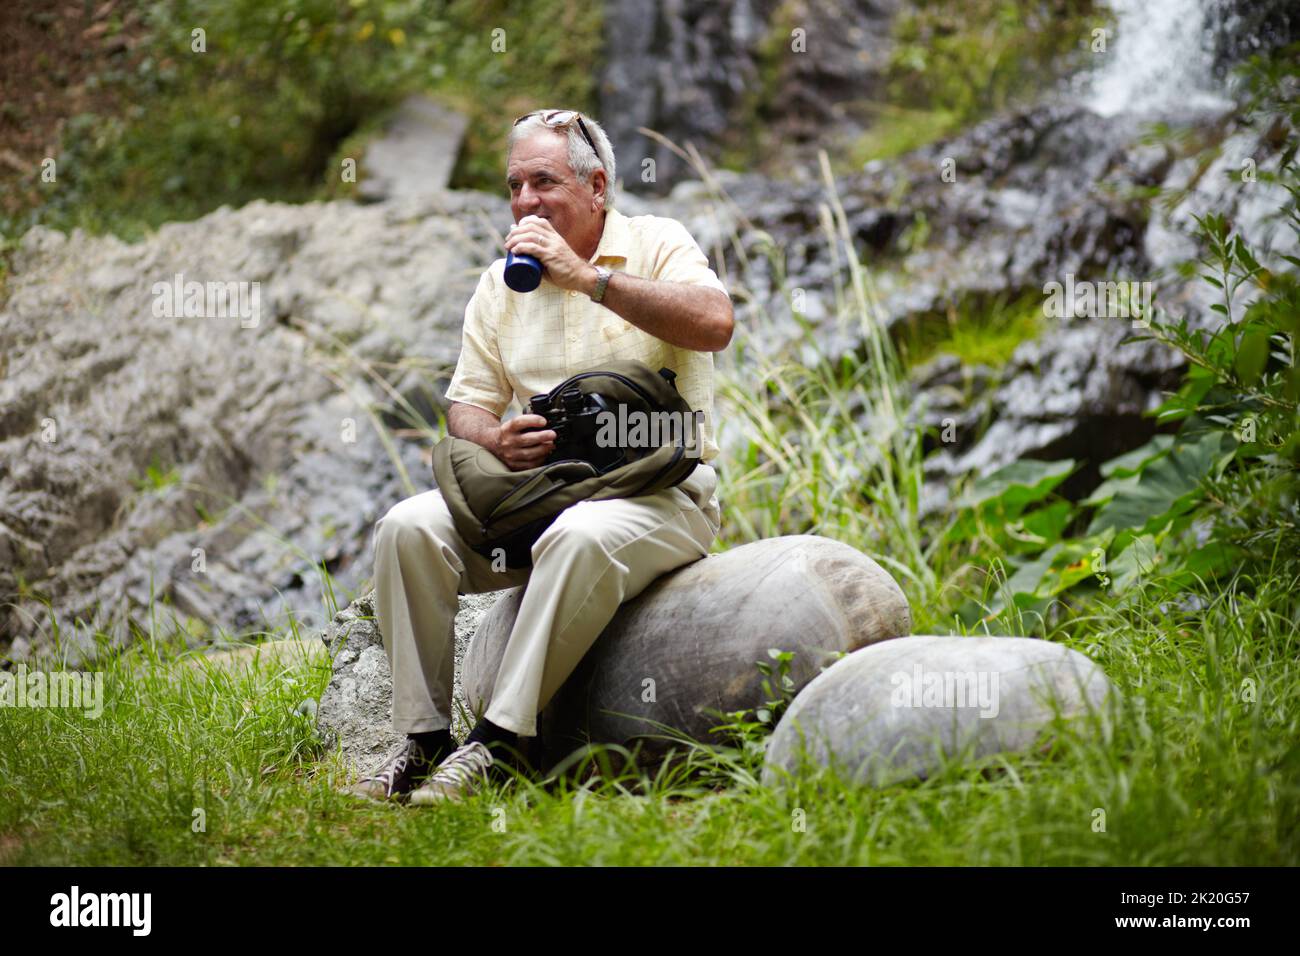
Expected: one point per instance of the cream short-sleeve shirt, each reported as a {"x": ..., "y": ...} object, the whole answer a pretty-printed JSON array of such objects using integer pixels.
[{"x": 516, "y": 345}]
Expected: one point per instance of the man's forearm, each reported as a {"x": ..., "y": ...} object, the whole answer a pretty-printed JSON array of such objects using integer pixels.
[
  {"x": 473, "y": 424},
  {"x": 688, "y": 316}
]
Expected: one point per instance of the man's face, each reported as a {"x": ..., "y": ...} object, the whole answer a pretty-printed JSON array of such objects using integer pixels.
[{"x": 542, "y": 184}]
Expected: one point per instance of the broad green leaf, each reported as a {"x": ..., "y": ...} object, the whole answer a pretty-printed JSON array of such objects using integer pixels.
[
  {"x": 1079, "y": 559},
  {"x": 1132, "y": 462},
  {"x": 1130, "y": 566},
  {"x": 1165, "y": 487},
  {"x": 1023, "y": 585},
  {"x": 1018, "y": 484},
  {"x": 1252, "y": 356},
  {"x": 1049, "y": 523},
  {"x": 1212, "y": 560},
  {"x": 1027, "y": 576},
  {"x": 1090, "y": 566},
  {"x": 1108, "y": 490},
  {"x": 1184, "y": 402}
]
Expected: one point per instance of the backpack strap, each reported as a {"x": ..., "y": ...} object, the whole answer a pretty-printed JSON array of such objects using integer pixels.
[{"x": 495, "y": 506}]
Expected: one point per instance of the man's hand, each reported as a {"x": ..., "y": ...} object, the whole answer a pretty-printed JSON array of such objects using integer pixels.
[
  {"x": 521, "y": 449},
  {"x": 507, "y": 440},
  {"x": 535, "y": 236}
]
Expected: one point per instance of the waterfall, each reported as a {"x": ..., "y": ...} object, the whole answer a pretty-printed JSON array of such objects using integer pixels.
[{"x": 1158, "y": 60}]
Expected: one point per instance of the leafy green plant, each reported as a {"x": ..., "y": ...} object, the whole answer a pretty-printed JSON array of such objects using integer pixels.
[
  {"x": 1221, "y": 494},
  {"x": 270, "y": 99},
  {"x": 157, "y": 478},
  {"x": 747, "y": 730}
]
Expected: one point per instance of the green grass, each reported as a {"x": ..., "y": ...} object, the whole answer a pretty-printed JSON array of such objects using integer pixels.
[
  {"x": 157, "y": 478},
  {"x": 1191, "y": 775},
  {"x": 977, "y": 333},
  {"x": 899, "y": 130}
]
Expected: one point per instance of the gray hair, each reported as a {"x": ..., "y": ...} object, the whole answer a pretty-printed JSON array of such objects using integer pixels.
[{"x": 581, "y": 159}]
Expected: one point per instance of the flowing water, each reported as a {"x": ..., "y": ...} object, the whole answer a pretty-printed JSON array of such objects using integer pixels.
[{"x": 1158, "y": 60}]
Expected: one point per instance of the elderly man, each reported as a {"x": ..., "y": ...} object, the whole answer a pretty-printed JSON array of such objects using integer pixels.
[{"x": 614, "y": 288}]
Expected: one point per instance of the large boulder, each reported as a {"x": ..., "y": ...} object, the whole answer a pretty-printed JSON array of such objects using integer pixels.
[
  {"x": 690, "y": 642},
  {"x": 355, "y": 714},
  {"x": 903, "y": 709},
  {"x": 204, "y": 468}
]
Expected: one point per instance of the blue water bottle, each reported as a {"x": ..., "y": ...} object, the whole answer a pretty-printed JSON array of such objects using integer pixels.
[{"x": 523, "y": 273}]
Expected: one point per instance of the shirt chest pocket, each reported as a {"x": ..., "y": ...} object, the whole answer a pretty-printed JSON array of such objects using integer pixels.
[
  {"x": 620, "y": 337},
  {"x": 613, "y": 328}
]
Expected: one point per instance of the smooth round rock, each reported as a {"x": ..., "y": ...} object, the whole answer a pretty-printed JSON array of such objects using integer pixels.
[
  {"x": 692, "y": 639},
  {"x": 898, "y": 710}
]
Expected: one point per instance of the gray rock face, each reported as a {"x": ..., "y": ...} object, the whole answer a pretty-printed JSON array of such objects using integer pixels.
[
  {"x": 355, "y": 712},
  {"x": 690, "y": 641},
  {"x": 899, "y": 710},
  {"x": 690, "y": 68},
  {"x": 266, "y": 459},
  {"x": 1075, "y": 393},
  {"x": 1243, "y": 28}
]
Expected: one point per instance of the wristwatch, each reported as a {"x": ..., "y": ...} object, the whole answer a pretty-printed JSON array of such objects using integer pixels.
[{"x": 602, "y": 280}]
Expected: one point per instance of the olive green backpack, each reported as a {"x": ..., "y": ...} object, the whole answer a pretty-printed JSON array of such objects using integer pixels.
[{"x": 496, "y": 508}]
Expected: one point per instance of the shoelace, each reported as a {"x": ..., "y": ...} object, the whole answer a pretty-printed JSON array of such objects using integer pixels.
[
  {"x": 388, "y": 777},
  {"x": 466, "y": 763}
]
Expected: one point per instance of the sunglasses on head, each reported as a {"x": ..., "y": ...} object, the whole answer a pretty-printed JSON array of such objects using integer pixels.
[{"x": 558, "y": 119}]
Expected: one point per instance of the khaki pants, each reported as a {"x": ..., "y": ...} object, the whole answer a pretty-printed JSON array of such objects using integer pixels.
[{"x": 595, "y": 556}]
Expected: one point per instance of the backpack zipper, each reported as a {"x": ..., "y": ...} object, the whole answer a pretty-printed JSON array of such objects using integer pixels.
[
  {"x": 493, "y": 519},
  {"x": 650, "y": 399}
]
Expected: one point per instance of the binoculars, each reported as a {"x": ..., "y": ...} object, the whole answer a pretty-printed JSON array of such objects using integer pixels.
[{"x": 571, "y": 414}]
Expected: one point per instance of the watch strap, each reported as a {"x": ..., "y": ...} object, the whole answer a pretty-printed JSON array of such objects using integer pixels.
[{"x": 602, "y": 280}]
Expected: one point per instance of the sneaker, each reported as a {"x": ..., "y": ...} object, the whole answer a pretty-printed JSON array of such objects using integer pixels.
[
  {"x": 404, "y": 769},
  {"x": 463, "y": 773}
]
